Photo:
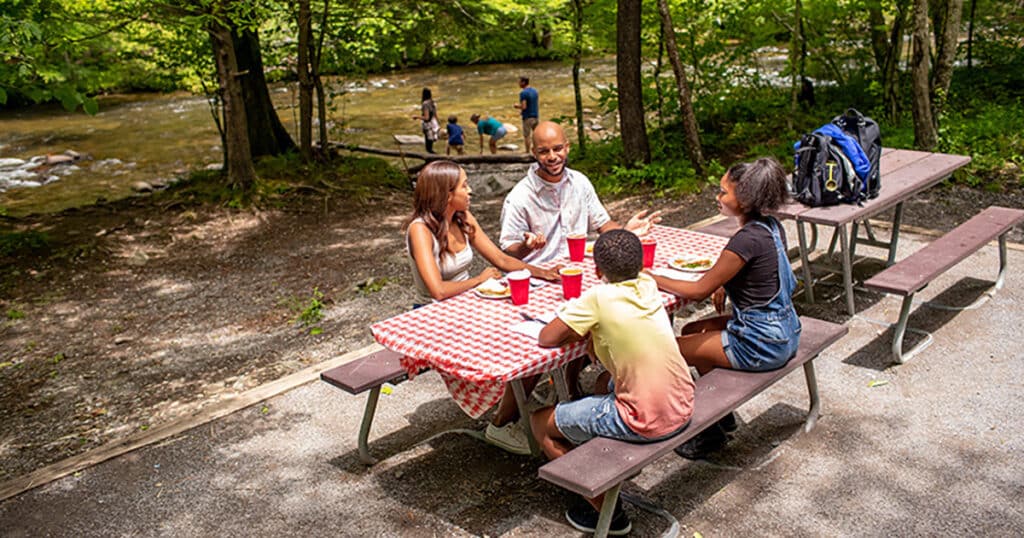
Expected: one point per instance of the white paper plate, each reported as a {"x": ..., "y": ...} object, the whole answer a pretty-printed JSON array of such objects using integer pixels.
[
  {"x": 682, "y": 263},
  {"x": 506, "y": 295}
]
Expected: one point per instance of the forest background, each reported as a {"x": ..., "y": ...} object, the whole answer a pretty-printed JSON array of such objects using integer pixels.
[{"x": 944, "y": 75}]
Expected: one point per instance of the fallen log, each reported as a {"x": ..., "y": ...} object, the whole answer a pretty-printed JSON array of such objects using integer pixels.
[{"x": 428, "y": 157}]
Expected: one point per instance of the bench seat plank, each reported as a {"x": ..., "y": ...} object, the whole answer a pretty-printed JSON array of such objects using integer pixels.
[
  {"x": 599, "y": 464},
  {"x": 364, "y": 373},
  {"x": 917, "y": 270}
]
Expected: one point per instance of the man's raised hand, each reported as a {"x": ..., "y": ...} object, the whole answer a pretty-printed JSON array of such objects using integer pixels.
[
  {"x": 534, "y": 241},
  {"x": 641, "y": 223}
]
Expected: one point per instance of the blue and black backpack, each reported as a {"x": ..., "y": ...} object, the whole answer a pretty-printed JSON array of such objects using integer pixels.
[{"x": 838, "y": 162}]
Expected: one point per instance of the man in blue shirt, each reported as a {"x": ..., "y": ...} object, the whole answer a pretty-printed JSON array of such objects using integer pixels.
[{"x": 528, "y": 106}]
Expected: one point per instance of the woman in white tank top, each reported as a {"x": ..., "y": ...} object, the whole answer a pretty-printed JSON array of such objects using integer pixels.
[{"x": 441, "y": 235}]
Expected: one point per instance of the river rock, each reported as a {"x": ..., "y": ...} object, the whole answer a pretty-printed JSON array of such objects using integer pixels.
[
  {"x": 11, "y": 163},
  {"x": 596, "y": 127},
  {"x": 213, "y": 166},
  {"x": 509, "y": 147},
  {"x": 141, "y": 186},
  {"x": 59, "y": 159},
  {"x": 106, "y": 163}
]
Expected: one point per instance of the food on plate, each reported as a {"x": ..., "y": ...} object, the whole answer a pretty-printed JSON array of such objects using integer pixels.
[
  {"x": 493, "y": 288},
  {"x": 692, "y": 263}
]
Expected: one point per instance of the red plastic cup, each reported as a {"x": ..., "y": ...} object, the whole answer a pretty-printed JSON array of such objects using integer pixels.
[
  {"x": 519, "y": 286},
  {"x": 572, "y": 281},
  {"x": 577, "y": 246},
  {"x": 648, "y": 245}
]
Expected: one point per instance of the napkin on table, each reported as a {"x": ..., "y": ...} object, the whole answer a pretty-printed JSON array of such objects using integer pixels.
[{"x": 532, "y": 328}]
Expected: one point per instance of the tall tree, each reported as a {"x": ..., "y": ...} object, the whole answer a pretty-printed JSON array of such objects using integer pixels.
[
  {"x": 795, "y": 59},
  {"x": 925, "y": 133},
  {"x": 577, "y": 58},
  {"x": 946, "y": 43},
  {"x": 240, "y": 170},
  {"x": 689, "y": 119},
  {"x": 267, "y": 135},
  {"x": 305, "y": 24},
  {"x": 888, "y": 54},
  {"x": 627, "y": 73}
]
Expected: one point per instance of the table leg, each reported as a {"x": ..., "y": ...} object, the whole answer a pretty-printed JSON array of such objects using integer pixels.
[
  {"x": 895, "y": 237},
  {"x": 561, "y": 386},
  {"x": 604, "y": 522},
  {"x": 854, "y": 230},
  {"x": 812, "y": 390},
  {"x": 364, "y": 427},
  {"x": 844, "y": 247},
  {"x": 805, "y": 260},
  {"x": 524, "y": 415}
]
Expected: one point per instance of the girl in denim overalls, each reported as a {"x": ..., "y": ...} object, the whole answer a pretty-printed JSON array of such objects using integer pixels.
[{"x": 763, "y": 331}]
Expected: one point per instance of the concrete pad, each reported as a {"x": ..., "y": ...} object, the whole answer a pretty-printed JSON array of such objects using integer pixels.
[{"x": 936, "y": 449}]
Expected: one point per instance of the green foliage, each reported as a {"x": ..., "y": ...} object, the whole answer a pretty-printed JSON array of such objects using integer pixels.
[
  {"x": 14, "y": 244},
  {"x": 372, "y": 285},
  {"x": 14, "y": 314},
  {"x": 309, "y": 311}
]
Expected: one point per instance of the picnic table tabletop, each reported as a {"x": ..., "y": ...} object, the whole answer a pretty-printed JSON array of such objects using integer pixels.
[{"x": 469, "y": 341}]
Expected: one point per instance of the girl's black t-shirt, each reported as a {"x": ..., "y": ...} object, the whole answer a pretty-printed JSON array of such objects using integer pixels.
[{"x": 758, "y": 280}]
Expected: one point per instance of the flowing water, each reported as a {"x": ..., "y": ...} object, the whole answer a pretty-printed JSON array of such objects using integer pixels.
[{"x": 156, "y": 137}]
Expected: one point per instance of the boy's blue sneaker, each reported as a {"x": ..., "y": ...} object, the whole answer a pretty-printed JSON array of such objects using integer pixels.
[{"x": 584, "y": 518}]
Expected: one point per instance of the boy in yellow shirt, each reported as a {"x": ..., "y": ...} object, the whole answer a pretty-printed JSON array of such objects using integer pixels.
[{"x": 647, "y": 393}]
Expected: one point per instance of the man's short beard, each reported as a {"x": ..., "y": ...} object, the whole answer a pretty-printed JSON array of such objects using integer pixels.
[{"x": 565, "y": 164}]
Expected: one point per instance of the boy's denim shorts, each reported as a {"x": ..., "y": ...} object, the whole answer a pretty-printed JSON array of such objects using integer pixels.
[{"x": 596, "y": 416}]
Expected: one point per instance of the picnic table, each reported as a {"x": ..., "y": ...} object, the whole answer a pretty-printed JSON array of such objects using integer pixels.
[
  {"x": 905, "y": 173},
  {"x": 469, "y": 340}
]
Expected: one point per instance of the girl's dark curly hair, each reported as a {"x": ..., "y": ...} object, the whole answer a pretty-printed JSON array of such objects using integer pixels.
[{"x": 760, "y": 185}]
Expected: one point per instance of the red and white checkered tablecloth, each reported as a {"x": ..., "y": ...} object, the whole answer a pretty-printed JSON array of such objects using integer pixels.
[{"x": 468, "y": 339}]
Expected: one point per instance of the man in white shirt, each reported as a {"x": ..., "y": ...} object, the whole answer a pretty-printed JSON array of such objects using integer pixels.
[{"x": 553, "y": 202}]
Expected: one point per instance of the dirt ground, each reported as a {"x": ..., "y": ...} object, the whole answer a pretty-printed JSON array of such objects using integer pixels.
[{"x": 150, "y": 312}]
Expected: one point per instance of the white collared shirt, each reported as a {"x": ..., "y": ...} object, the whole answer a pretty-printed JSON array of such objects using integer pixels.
[{"x": 554, "y": 210}]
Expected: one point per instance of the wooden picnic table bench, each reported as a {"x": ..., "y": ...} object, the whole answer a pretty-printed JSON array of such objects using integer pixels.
[
  {"x": 602, "y": 465},
  {"x": 367, "y": 373},
  {"x": 905, "y": 173},
  {"x": 912, "y": 274}
]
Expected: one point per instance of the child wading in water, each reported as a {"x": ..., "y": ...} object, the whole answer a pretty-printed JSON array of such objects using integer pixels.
[
  {"x": 647, "y": 393},
  {"x": 763, "y": 331}
]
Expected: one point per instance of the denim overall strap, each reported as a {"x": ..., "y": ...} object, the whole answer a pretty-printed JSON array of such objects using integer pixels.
[
  {"x": 783, "y": 297},
  {"x": 765, "y": 336}
]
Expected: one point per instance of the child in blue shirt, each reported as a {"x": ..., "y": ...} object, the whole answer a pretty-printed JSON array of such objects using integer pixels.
[{"x": 454, "y": 136}]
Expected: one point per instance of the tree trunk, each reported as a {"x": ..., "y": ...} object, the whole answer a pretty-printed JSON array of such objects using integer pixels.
[
  {"x": 318, "y": 83},
  {"x": 305, "y": 23},
  {"x": 890, "y": 69},
  {"x": 627, "y": 73},
  {"x": 267, "y": 136},
  {"x": 577, "y": 58},
  {"x": 970, "y": 35},
  {"x": 660, "y": 107},
  {"x": 240, "y": 171},
  {"x": 795, "y": 57},
  {"x": 879, "y": 37},
  {"x": 689, "y": 119},
  {"x": 946, "y": 46},
  {"x": 925, "y": 134}
]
